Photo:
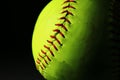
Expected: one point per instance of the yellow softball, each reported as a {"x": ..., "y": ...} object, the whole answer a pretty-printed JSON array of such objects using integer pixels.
[{"x": 67, "y": 36}]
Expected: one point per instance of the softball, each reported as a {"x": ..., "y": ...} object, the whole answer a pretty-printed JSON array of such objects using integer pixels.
[{"x": 70, "y": 39}]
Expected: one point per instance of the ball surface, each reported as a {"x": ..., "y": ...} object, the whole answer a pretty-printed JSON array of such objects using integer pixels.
[{"x": 70, "y": 38}]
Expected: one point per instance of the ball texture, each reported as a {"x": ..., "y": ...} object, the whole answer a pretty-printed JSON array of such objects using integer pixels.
[{"x": 70, "y": 39}]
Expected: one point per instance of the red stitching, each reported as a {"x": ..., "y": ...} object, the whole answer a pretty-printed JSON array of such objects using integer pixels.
[
  {"x": 61, "y": 25},
  {"x": 56, "y": 39},
  {"x": 38, "y": 61},
  {"x": 43, "y": 59},
  {"x": 69, "y": 6},
  {"x": 70, "y": 1},
  {"x": 52, "y": 44},
  {"x": 68, "y": 12},
  {"x": 45, "y": 55},
  {"x": 43, "y": 52},
  {"x": 49, "y": 49},
  {"x": 66, "y": 20},
  {"x": 58, "y": 31},
  {"x": 43, "y": 65},
  {"x": 48, "y": 58},
  {"x": 41, "y": 56}
]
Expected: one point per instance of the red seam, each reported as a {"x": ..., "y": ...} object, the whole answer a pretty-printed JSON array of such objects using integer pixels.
[
  {"x": 43, "y": 52},
  {"x": 43, "y": 59},
  {"x": 41, "y": 56},
  {"x": 68, "y": 12},
  {"x": 56, "y": 39},
  {"x": 54, "y": 36},
  {"x": 70, "y": 1},
  {"x": 48, "y": 58},
  {"x": 58, "y": 31},
  {"x": 61, "y": 25},
  {"x": 66, "y": 20},
  {"x": 38, "y": 61},
  {"x": 43, "y": 65},
  {"x": 49, "y": 49},
  {"x": 52, "y": 44},
  {"x": 46, "y": 55},
  {"x": 69, "y": 6}
]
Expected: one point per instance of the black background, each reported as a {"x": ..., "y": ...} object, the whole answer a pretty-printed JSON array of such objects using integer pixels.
[{"x": 19, "y": 18}]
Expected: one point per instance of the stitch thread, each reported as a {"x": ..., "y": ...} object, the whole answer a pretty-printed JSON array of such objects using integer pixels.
[
  {"x": 49, "y": 49},
  {"x": 52, "y": 44},
  {"x": 46, "y": 55},
  {"x": 61, "y": 25},
  {"x": 69, "y": 6},
  {"x": 68, "y": 12},
  {"x": 66, "y": 20},
  {"x": 70, "y": 1},
  {"x": 57, "y": 31}
]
